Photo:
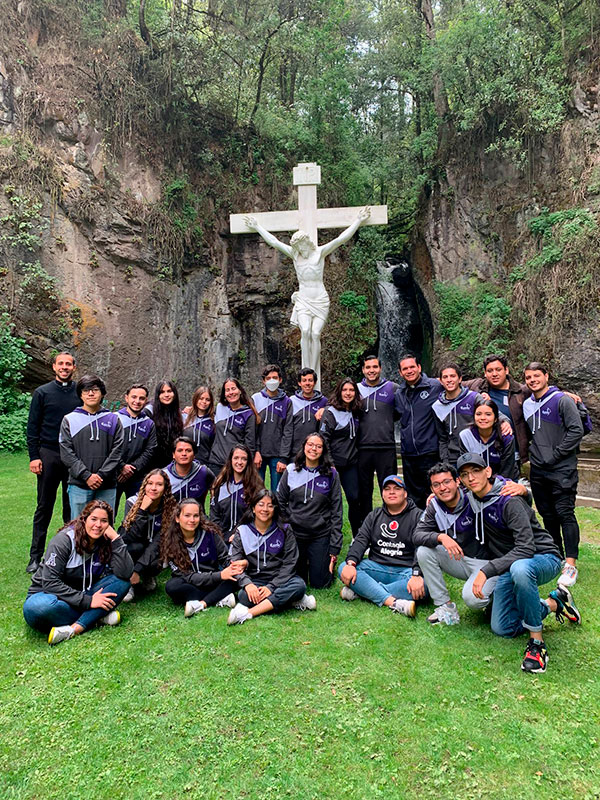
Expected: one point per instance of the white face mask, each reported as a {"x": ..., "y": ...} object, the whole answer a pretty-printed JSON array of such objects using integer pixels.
[{"x": 272, "y": 384}]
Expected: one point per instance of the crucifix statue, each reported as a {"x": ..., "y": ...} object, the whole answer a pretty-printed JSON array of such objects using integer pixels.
[{"x": 311, "y": 301}]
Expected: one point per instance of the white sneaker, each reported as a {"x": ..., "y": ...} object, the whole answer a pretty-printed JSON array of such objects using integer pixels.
[
  {"x": 112, "y": 618},
  {"x": 346, "y": 593},
  {"x": 238, "y": 615},
  {"x": 568, "y": 576},
  {"x": 446, "y": 614},
  {"x": 307, "y": 603},
  {"x": 129, "y": 597},
  {"x": 193, "y": 607},
  {"x": 226, "y": 602},
  {"x": 406, "y": 607},
  {"x": 60, "y": 634},
  {"x": 150, "y": 585}
]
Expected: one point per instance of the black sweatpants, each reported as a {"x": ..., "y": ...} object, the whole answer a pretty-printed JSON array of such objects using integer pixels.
[
  {"x": 54, "y": 473},
  {"x": 554, "y": 496},
  {"x": 414, "y": 472},
  {"x": 384, "y": 462},
  {"x": 180, "y": 591},
  {"x": 350, "y": 485},
  {"x": 313, "y": 562}
]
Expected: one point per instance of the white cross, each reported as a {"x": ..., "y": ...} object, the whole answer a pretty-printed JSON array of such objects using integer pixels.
[{"x": 307, "y": 217}]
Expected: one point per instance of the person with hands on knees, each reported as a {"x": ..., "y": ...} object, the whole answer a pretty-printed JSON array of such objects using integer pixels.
[
  {"x": 390, "y": 576},
  {"x": 82, "y": 578},
  {"x": 311, "y": 498},
  {"x": 146, "y": 514},
  {"x": 267, "y": 547},
  {"x": 201, "y": 572}
]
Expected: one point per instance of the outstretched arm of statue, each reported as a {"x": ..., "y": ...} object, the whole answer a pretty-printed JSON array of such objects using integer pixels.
[
  {"x": 346, "y": 235},
  {"x": 253, "y": 224}
]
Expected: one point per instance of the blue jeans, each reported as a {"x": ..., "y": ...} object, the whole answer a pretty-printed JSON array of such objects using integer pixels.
[
  {"x": 43, "y": 610},
  {"x": 275, "y": 476},
  {"x": 516, "y": 604},
  {"x": 79, "y": 498},
  {"x": 376, "y": 582}
]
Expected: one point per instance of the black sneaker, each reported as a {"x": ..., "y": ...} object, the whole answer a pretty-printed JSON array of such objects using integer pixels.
[
  {"x": 536, "y": 657},
  {"x": 32, "y": 566},
  {"x": 565, "y": 607}
]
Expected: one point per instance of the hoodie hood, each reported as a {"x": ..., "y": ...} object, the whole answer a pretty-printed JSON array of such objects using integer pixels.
[{"x": 479, "y": 505}]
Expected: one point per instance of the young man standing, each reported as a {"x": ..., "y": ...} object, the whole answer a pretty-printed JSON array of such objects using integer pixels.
[
  {"x": 556, "y": 431},
  {"x": 307, "y": 402},
  {"x": 139, "y": 442},
  {"x": 418, "y": 437},
  {"x": 522, "y": 555},
  {"x": 49, "y": 405},
  {"x": 189, "y": 478},
  {"x": 391, "y": 576},
  {"x": 91, "y": 440},
  {"x": 275, "y": 432},
  {"x": 453, "y": 411},
  {"x": 376, "y": 442}
]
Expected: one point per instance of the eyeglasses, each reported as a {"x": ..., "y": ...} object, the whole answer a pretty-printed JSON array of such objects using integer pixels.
[
  {"x": 471, "y": 473},
  {"x": 95, "y": 390},
  {"x": 442, "y": 484}
]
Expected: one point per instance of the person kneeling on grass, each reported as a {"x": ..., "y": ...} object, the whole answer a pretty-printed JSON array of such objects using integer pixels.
[
  {"x": 145, "y": 515},
  {"x": 82, "y": 578},
  {"x": 391, "y": 575},
  {"x": 268, "y": 546},
  {"x": 523, "y": 555},
  {"x": 202, "y": 574}
]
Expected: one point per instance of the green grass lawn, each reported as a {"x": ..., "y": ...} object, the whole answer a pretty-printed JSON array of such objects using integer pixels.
[{"x": 348, "y": 701}]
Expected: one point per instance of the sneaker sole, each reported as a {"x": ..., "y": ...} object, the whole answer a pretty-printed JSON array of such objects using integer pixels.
[{"x": 537, "y": 671}]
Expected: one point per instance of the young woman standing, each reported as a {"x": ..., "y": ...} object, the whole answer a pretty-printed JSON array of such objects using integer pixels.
[
  {"x": 168, "y": 421},
  {"x": 199, "y": 423},
  {"x": 236, "y": 419}
]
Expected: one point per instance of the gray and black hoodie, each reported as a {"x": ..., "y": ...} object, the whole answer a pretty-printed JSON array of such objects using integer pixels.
[
  {"x": 303, "y": 419},
  {"x": 193, "y": 485},
  {"x": 91, "y": 444},
  {"x": 377, "y": 421},
  {"x": 388, "y": 537},
  {"x": 209, "y": 556},
  {"x": 340, "y": 431},
  {"x": 272, "y": 556},
  {"x": 227, "y": 507},
  {"x": 457, "y": 522},
  {"x": 556, "y": 431},
  {"x": 313, "y": 504},
  {"x": 144, "y": 530},
  {"x": 139, "y": 440},
  {"x": 202, "y": 432},
  {"x": 452, "y": 417},
  {"x": 276, "y": 430},
  {"x": 231, "y": 428},
  {"x": 509, "y": 528},
  {"x": 69, "y": 575}
]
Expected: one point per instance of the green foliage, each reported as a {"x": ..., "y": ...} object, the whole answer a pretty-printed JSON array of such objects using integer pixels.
[
  {"x": 37, "y": 286},
  {"x": 13, "y": 402},
  {"x": 23, "y": 223},
  {"x": 473, "y": 319}
]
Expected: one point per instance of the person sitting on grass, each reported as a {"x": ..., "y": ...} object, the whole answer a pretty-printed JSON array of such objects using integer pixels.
[
  {"x": 82, "y": 578},
  {"x": 201, "y": 572},
  {"x": 391, "y": 575},
  {"x": 523, "y": 555},
  {"x": 269, "y": 582},
  {"x": 145, "y": 515}
]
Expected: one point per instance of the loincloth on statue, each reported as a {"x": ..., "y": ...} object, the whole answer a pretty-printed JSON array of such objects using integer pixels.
[{"x": 313, "y": 306}]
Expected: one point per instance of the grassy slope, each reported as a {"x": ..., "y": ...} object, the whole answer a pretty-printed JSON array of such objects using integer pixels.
[{"x": 349, "y": 701}]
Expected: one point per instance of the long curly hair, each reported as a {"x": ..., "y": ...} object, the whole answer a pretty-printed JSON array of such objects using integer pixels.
[
  {"x": 167, "y": 504},
  {"x": 325, "y": 462},
  {"x": 251, "y": 480},
  {"x": 356, "y": 406},
  {"x": 245, "y": 398},
  {"x": 210, "y": 411},
  {"x": 83, "y": 543},
  {"x": 167, "y": 418},
  {"x": 172, "y": 543}
]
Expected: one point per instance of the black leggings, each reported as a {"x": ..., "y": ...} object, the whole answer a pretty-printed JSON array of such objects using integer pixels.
[
  {"x": 180, "y": 591},
  {"x": 313, "y": 562},
  {"x": 349, "y": 480}
]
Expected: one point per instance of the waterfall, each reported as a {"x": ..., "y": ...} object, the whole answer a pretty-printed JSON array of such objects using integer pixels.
[{"x": 396, "y": 314}]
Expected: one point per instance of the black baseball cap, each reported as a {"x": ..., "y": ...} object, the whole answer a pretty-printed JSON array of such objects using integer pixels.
[{"x": 470, "y": 458}]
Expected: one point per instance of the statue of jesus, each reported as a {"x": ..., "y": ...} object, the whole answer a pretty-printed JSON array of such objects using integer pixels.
[{"x": 311, "y": 301}]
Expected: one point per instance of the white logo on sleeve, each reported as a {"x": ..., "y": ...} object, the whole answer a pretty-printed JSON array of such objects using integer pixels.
[{"x": 51, "y": 562}]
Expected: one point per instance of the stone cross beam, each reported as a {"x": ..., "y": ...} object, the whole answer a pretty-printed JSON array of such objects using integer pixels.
[{"x": 307, "y": 217}]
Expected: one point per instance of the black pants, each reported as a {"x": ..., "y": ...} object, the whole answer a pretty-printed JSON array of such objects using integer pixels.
[
  {"x": 349, "y": 480},
  {"x": 53, "y": 474},
  {"x": 136, "y": 550},
  {"x": 554, "y": 496},
  {"x": 414, "y": 472},
  {"x": 313, "y": 562},
  {"x": 180, "y": 591},
  {"x": 384, "y": 462}
]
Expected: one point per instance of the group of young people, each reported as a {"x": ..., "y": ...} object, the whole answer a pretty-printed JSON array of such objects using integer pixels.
[{"x": 458, "y": 507}]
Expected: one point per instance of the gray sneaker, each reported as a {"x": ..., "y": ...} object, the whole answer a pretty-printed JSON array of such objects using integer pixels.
[
  {"x": 307, "y": 603},
  {"x": 130, "y": 596},
  {"x": 226, "y": 602},
  {"x": 60, "y": 634},
  {"x": 446, "y": 614},
  {"x": 406, "y": 607},
  {"x": 193, "y": 607},
  {"x": 346, "y": 593}
]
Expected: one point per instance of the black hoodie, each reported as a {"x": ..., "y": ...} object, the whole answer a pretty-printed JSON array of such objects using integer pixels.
[{"x": 389, "y": 538}]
